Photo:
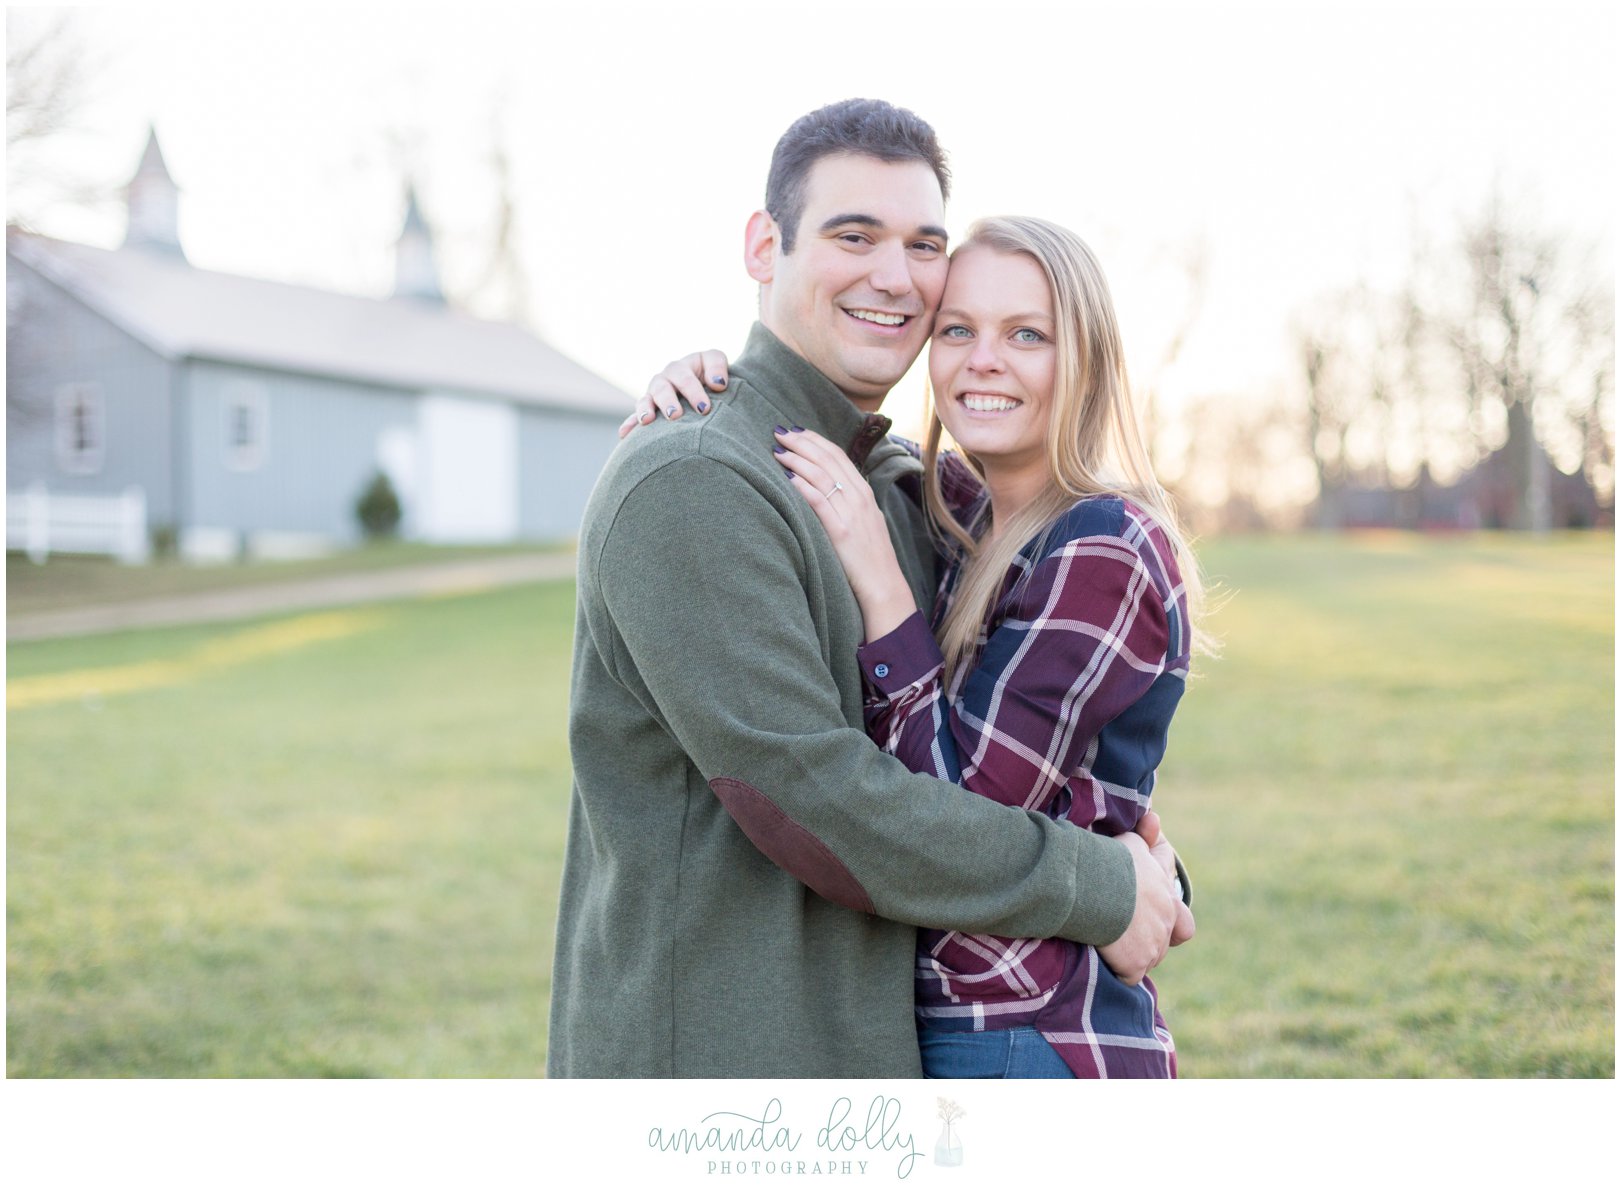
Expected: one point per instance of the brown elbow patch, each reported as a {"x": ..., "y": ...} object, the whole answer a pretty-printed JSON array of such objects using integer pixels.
[{"x": 789, "y": 845}]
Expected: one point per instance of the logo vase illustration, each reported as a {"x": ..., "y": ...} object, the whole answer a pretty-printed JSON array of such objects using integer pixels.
[{"x": 948, "y": 1148}]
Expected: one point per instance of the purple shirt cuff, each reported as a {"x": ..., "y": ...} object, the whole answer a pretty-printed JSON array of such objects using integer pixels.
[{"x": 900, "y": 658}]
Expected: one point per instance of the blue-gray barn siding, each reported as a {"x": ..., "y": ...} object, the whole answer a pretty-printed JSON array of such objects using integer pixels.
[
  {"x": 55, "y": 339},
  {"x": 321, "y": 450},
  {"x": 560, "y": 455}
]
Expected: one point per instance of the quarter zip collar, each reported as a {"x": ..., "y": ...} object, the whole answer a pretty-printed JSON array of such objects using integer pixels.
[{"x": 805, "y": 397}]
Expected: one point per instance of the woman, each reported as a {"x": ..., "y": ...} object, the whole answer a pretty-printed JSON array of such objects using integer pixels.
[{"x": 1062, "y": 633}]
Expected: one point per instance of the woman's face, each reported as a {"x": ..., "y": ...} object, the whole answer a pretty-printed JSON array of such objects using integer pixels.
[{"x": 993, "y": 359}]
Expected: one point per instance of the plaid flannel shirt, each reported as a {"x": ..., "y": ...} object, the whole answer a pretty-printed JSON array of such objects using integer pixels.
[{"x": 1064, "y": 711}]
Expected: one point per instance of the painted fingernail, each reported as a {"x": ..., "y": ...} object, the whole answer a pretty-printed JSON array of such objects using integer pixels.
[
  {"x": 787, "y": 472},
  {"x": 720, "y": 380},
  {"x": 778, "y": 450},
  {"x": 780, "y": 429},
  {"x": 799, "y": 429},
  {"x": 703, "y": 406},
  {"x": 670, "y": 412}
]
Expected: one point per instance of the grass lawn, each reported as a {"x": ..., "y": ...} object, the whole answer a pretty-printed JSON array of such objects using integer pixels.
[
  {"x": 323, "y": 845},
  {"x": 329, "y": 844},
  {"x": 1395, "y": 794},
  {"x": 66, "y": 580}
]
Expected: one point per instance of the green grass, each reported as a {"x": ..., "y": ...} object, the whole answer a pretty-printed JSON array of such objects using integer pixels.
[
  {"x": 336, "y": 859},
  {"x": 330, "y": 845},
  {"x": 67, "y": 580},
  {"x": 1395, "y": 793}
]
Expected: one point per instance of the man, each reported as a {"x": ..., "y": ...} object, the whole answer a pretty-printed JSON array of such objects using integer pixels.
[{"x": 744, "y": 868}]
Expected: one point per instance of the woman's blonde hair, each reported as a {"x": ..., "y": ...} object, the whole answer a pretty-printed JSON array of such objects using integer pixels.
[{"x": 1094, "y": 446}]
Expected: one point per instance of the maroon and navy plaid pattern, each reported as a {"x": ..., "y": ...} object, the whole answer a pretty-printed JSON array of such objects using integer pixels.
[{"x": 1064, "y": 712}]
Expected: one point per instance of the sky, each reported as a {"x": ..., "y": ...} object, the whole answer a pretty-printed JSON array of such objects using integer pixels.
[{"x": 1291, "y": 148}]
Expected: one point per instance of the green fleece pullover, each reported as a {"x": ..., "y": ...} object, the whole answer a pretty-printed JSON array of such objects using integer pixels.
[{"x": 744, "y": 868}]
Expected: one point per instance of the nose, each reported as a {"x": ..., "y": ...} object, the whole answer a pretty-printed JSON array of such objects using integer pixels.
[
  {"x": 892, "y": 270},
  {"x": 985, "y": 356}
]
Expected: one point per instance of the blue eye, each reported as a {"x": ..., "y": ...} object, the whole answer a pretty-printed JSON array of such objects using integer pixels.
[
  {"x": 1025, "y": 335},
  {"x": 954, "y": 332}
]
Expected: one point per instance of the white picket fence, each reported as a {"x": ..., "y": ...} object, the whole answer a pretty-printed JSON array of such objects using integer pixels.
[{"x": 40, "y": 523}]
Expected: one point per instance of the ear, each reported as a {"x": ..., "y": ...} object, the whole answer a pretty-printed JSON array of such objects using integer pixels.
[{"x": 760, "y": 244}]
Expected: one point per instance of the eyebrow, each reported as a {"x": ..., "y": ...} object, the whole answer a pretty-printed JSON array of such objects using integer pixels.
[
  {"x": 1028, "y": 316},
  {"x": 929, "y": 230}
]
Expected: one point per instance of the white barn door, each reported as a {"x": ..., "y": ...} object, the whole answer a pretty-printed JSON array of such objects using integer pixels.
[{"x": 467, "y": 478}]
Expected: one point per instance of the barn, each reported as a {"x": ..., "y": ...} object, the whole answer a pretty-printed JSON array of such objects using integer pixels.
[{"x": 150, "y": 402}]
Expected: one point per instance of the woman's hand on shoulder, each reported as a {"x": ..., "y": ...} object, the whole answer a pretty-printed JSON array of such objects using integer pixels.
[{"x": 685, "y": 380}]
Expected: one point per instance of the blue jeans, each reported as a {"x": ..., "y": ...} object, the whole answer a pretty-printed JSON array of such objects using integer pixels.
[{"x": 1002, "y": 1053}]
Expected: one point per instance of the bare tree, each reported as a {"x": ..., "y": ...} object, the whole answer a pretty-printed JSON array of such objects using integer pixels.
[
  {"x": 1323, "y": 359},
  {"x": 1245, "y": 472},
  {"x": 1192, "y": 265},
  {"x": 43, "y": 85},
  {"x": 44, "y": 78},
  {"x": 501, "y": 289},
  {"x": 1501, "y": 338},
  {"x": 48, "y": 73},
  {"x": 1593, "y": 328},
  {"x": 1526, "y": 321},
  {"x": 1365, "y": 402}
]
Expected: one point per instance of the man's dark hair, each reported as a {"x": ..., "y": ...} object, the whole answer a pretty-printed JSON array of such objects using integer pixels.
[{"x": 865, "y": 127}]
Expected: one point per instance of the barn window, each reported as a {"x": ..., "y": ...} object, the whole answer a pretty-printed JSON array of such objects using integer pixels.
[
  {"x": 247, "y": 426},
  {"x": 81, "y": 428}
]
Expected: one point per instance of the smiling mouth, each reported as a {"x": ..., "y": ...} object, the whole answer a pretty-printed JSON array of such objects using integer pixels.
[
  {"x": 986, "y": 402},
  {"x": 880, "y": 318}
]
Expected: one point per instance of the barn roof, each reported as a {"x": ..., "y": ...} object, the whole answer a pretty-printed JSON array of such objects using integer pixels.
[{"x": 183, "y": 312}]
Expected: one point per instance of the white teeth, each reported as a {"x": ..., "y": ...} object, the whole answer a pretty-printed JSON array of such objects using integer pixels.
[
  {"x": 875, "y": 316},
  {"x": 988, "y": 404}
]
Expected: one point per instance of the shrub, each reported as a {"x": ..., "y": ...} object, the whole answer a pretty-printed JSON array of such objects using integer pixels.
[
  {"x": 165, "y": 541},
  {"x": 378, "y": 508}
]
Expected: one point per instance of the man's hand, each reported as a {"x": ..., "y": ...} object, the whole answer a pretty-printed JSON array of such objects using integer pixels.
[{"x": 1153, "y": 922}]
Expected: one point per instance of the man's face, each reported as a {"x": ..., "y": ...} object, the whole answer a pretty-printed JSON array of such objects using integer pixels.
[{"x": 857, "y": 295}]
